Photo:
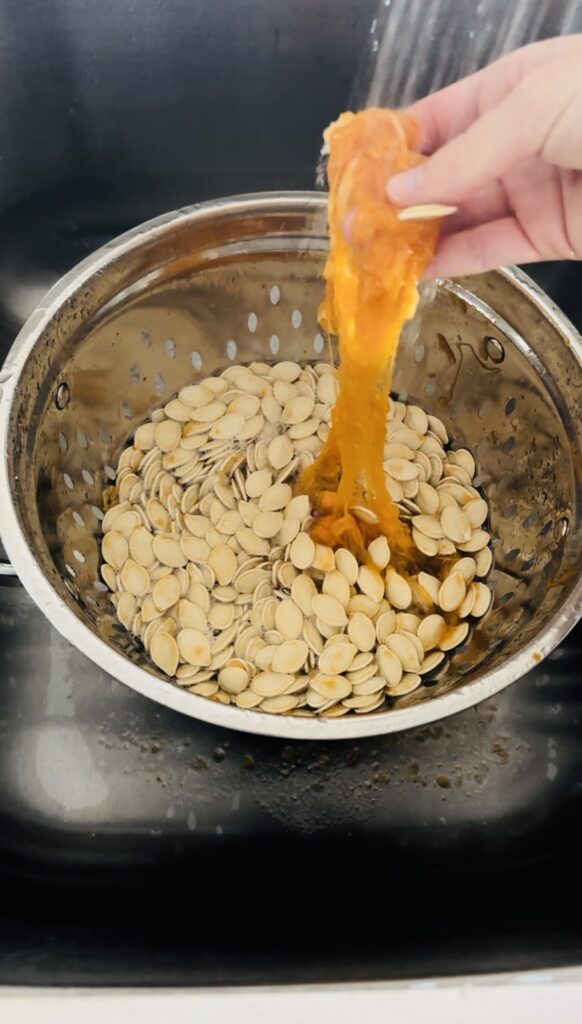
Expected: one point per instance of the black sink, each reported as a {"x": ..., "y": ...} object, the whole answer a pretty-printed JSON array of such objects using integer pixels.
[{"x": 141, "y": 848}]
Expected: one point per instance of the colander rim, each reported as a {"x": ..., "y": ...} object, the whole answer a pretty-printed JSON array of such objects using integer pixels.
[{"x": 485, "y": 685}]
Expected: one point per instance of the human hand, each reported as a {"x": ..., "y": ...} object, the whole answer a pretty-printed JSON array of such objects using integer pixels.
[{"x": 505, "y": 147}]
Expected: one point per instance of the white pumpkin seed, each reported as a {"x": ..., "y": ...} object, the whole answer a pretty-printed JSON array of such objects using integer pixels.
[
  {"x": 482, "y": 600},
  {"x": 331, "y": 687},
  {"x": 379, "y": 552},
  {"x": 302, "y": 551},
  {"x": 205, "y": 537},
  {"x": 193, "y": 647},
  {"x": 452, "y": 592},
  {"x": 389, "y": 665},
  {"x": 290, "y": 656},
  {"x": 398, "y": 590},
  {"x": 454, "y": 636},
  {"x": 288, "y": 619},
  {"x": 164, "y": 653},
  {"x": 337, "y": 658}
]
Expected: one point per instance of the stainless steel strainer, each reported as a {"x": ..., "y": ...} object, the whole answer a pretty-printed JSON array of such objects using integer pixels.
[{"x": 241, "y": 279}]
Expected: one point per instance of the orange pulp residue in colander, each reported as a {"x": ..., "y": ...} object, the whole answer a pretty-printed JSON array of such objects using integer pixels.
[{"x": 372, "y": 273}]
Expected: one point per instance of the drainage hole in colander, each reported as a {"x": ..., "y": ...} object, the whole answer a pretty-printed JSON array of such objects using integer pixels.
[
  {"x": 62, "y": 396},
  {"x": 159, "y": 383},
  {"x": 318, "y": 344},
  {"x": 494, "y": 350},
  {"x": 563, "y": 527},
  {"x": 510, "y": 406},
  {"x": 274, "y": 344},
  {"x": 231, "y": 349},
  {"x": 512, "y": 555},
  {"x": 170, "y": 348},
  {"x": 509, "y": 511}
]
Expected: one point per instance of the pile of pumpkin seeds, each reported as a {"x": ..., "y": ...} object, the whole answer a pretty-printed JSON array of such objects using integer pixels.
[{"x": 209, "y": 559}]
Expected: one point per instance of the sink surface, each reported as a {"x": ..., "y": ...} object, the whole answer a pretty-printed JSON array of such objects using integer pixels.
[{"x": 141, "y": 848}]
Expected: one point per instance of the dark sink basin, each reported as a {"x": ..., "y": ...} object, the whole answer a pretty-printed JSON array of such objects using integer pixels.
[{"x": 141, "y": 848}]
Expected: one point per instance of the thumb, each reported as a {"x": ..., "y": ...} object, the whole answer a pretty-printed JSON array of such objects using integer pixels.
[{"x": 512, "y": 131}]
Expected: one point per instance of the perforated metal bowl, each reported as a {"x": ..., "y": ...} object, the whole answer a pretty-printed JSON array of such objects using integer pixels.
[{"x": 241, "y": 279}]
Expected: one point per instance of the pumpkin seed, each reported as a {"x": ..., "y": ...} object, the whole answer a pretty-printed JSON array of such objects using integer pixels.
[
  {"x": 165, "y": 653},
  {"x": 193, "y": 647},
  {"x": 337, "y": 658},
  {"x": 288, "y": 619},
  {"x": 398, "y": 590},
  {"x": 452, "y": 592},
  {"x": 454, "y": 636},
  {"x": 431, "y": 631},
  {"x": 331, "y": 687},
  {"x": 455, "y": 524},
  {"x": 483, "y": 561},
  {"x": 389, "y": 665},
  {"x": 270, "y": 684},
  {"x": 207, "y": 535},
  {"x": 290, "y": 656},
  {"x": 482, "y": 600},
  {"x": 405, "y": 651},
  {"x": 135, "y": 579},
  {"x": 379, "y": 552},
  {"x": 166, "y": 592},
  {"x": 302, "y": 551},
  {"x": 115, "y": 549}
]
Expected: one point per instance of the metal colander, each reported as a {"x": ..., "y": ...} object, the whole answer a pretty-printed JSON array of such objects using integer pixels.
[{"x": 238, "y": 280}]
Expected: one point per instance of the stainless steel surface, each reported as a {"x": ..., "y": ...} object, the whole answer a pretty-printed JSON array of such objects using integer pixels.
[
  {"x": 138, "y": 846},
  {"x": 156, "y": 308}
]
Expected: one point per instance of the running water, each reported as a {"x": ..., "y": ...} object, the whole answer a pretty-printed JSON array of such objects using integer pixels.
[
  {"x": 418, "y": 46},
  {"x": 415, "y": 47}
]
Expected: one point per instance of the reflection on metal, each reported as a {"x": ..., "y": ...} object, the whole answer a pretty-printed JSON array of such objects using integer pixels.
[{"x": 201, "y": 277}]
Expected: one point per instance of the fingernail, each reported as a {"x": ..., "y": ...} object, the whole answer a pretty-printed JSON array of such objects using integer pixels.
[{"x": 403, "y": 188}]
